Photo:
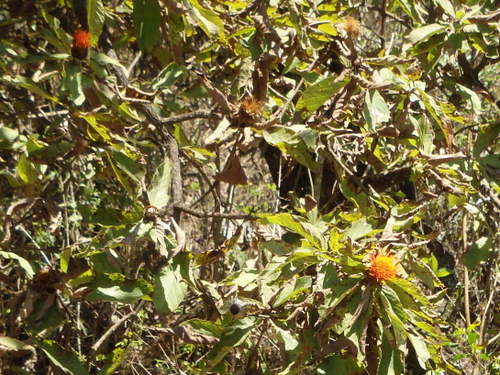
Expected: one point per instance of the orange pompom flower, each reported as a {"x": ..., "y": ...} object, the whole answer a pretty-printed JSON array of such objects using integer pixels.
[
  {"x": 382, "y": 267},
  {"x": 351, "y": 26},
  {"x": 81, "y": 39}
]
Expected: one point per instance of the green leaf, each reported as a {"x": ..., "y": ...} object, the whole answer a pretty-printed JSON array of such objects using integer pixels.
[
  {"x": 167, "y": 76},
  {"x": 128, "y": 165},
  {"x": 28, "y": 84},
  {"x": 64, "y": 359},
  {"x": 234, "y": 335},
  {"x": 401, "y": 286},
  {"x": 288, "y": 221},
  {"x": 95, "y": 18},
  {"x": 478, "y": 252},
  {"x": 7, "y": 136},
  {"x": 425, "y": 32},
  {"x": 289, "y": 142},
  {"x": 26, "y": 170},
  {"x": 375, "y": 109},
  {"x": 358, "y": 229},
  {"x": 209, "y": 22},
  {"x": 435, "y": 112},
  {"x": 128, "y": 292},
  {"x": 114, "y": 360},
  {"x": 471, "y": 97},
  {"x": 390, "y": 361},
  {"x": 50, "y": 153},
  {"x": 25, "y": 265},
  {"x": 159, "y": 189},
  {"x": 390, "y": 306},
  {"x": 72, "y": 83},
  {"x": 447, "y": 6},
  {"x": 204, "y": 327},
  {"x": 147, "y": 18},
  {"x": 170, "y": 290},
  {"x": 317, "y": 94},
  {"x": 488, "y": 135},
  {"x": 302, "y": 284},
  {"x": 421, "y": 350},
  {"x": 338, "y": 365},
  {"x": 14, "y": 344}
]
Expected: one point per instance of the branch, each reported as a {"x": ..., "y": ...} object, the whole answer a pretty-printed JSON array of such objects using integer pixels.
[{"x": 215, "y": 214}]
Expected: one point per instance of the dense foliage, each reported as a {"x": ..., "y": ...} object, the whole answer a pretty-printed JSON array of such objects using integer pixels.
[{"x": 249, "y": 187}]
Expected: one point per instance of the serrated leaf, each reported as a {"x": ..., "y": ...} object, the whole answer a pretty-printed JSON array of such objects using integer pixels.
[
  {"x": 128, "y": 165},
  {"x": 288, "y": 221},
  {"x": 147, "y": 18},
  {"x": 487, "y": 136},
  {"x": 317, "y": 94}
]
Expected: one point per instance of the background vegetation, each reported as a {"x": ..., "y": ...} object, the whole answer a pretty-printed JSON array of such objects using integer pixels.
[{"x": 234, "y": 187}]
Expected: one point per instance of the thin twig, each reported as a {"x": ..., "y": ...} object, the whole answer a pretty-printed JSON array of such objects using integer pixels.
[
  {"x": 466, "y": 273},
  {"x": 97, "y": 346}
]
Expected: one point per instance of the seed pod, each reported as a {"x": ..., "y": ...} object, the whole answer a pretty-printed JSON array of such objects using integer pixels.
[{"x": 234, "y": 308}]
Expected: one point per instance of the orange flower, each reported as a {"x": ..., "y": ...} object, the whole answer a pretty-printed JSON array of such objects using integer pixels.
[
  {"x": 251, "y": 106},
  {"x": 382, "y": 267},
  {"x": 351, "y": 26},
  {"x": 81, "y": 39}
]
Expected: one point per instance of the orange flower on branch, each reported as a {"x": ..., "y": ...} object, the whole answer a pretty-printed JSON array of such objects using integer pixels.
[
  {"x": 81, "y": 44},
  {"x": 351, "y": 26},
  {"x": 382, "y": 267},
  {"x": 81, "y": 39}
]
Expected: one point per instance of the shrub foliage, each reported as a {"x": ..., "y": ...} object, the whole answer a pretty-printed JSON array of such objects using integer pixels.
[{"x": 249, "y": 187}]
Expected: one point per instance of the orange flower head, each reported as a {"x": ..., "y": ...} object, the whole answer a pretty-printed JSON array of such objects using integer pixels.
[
  {"x": 351, "y": 26},
  {"x": 382, "y": 267},
  {"x": 251, "y": 105},
  {"x": 81, "y": 39}
]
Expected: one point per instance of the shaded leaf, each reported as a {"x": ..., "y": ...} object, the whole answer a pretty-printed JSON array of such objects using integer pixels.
[
  {"x": 25, "y": 265},
  {"x": 478, "y": 252},
  {"x": 147, "y": 18},
  {"x": 95, "y": 18},
  {"x": 64, "y": 359}
]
